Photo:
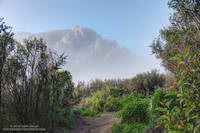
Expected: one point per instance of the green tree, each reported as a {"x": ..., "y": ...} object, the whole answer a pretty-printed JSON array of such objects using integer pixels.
[
  {"x": 183, "y": 31},
  {"x": 6, "y": 46},
  {"x": 146, "y": 83},
  {"x": 179, "y": 46},
  {"x": 64, "y": 87},
  {"x": 32, "y": 82}
]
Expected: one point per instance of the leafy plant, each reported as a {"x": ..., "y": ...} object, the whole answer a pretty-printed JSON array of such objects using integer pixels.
[
  {"x": 113, "y": 105},
  {"x": 116, "y": 92},
  {"x": 129, "y": 128},
  {"x": 146, "y": 83},
  {"x": 136, "y": 111},
  {"x": 96, "y": 101},
  {"x": 184, "y": 116},
  {"x": 178, "y": 47},
  {"x": 130, "y": 98},
  {"x": 88, "y": 112},
  {"x": 64, "y": 117}
]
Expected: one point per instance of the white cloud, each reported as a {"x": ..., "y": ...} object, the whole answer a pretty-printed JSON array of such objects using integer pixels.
[{"x": 90, "y": 56}]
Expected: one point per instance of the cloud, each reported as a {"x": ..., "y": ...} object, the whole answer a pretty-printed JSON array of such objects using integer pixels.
[{"x": 90, "y": 56}]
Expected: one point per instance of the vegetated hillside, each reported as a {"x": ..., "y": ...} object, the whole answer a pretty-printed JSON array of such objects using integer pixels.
[
  {"x": 131, "y": 101},
  {"x": 172, "y": 108},
  {"x": 35, "y": 90}
]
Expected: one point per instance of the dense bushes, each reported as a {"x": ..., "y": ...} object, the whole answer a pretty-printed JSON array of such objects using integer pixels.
[
  {"x": 86, "y": 89},
  {"x": 117, "y": 92},
  {"x": 136, "y": 111},
  {"x": 178, "y": 47},
  {"x": 33, "y": 89},
  {"x": 113, "y": 105},
  {"x": 128, "y": 128},
  {"x": 64, "y": 117},
  {"x": 103, "y": 100},
  {"x": 135, "y": 103},
  {"x": 156, "y": 100},
  {"x": 134, "y": 115},
  {"x": 96, "y": 101},
  {"x": 181, "y": 111},
  {"x": 144, "y": 83}
]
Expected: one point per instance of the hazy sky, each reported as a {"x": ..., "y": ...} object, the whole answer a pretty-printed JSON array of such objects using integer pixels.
[{"x": 132, "y": 23}]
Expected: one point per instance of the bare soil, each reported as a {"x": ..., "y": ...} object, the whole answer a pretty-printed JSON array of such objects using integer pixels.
[{"x": 101, "y": 124}]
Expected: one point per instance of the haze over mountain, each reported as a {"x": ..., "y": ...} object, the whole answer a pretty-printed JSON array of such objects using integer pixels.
[{"x": 91, "y": 56}]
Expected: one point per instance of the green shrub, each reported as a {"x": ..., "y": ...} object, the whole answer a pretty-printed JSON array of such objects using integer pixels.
[
  {"x": 129, "y": 128},
  {"x": 156, "y": 99},
  {"x": 96, "y": 101},
  {"x": 116, "y": 92},
  {"x": 88, "y": 112},
  {"x": 158, "y": 96},
  {"x": 64, "y": 117},
  {"x": 146, "y": 83},
  {"x": 70, "y": 120},
  {"x": 179, "y": 50},
  {"x": 135, "y": 112},
  {"x": 129, "y": 99},
  {"x": 113, "y": 105}
]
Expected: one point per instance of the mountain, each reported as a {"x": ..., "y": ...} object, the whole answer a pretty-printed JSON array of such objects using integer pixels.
[{"x": 90, "y": 56}]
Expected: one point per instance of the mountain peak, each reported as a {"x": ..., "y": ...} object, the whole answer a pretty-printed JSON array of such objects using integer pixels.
[{"x": 90, "y": 56}]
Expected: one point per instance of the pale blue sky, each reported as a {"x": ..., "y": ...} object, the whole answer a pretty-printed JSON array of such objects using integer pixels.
[{"x": 132, "y": 23}]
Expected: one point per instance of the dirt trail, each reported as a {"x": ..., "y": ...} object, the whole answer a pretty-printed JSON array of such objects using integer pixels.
[{"x": 102, "y": 124}]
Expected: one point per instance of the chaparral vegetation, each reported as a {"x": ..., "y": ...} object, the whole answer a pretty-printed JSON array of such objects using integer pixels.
[{"x": 35, "y": 88}]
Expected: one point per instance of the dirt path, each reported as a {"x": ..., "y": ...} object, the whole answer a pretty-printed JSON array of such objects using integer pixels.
[{"x": 102, "y": 124}]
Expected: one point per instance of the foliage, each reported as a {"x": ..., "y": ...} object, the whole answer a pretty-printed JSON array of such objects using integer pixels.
[
  {"x": 158, "y": 97},
  {"x": 136, "y": 111},
  {"x": 117, "y": 92},
  {"x": 185, "y": 116},
  {"x": 178, "y": 47},
  {"x": 64, "y": 87},
  {"x": 157, "y": 100},
  {"x": 96, "y": 101},
  {"x": 33, "y": 89},
  {"x": 88, "y": 112},
  {"x": 130, "y": 98},
  {"x": 7, "y": 45},
  {"x": 31, "y": 70},
  {"x": 146, "y": 83},
  {"x": 183, "y": 31},
  {"x": 64, "y": 117},
  {"x": 129, "y": 128},
  {"x": 83, "y": 89},
  {"x": 113, "y": 105}
]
